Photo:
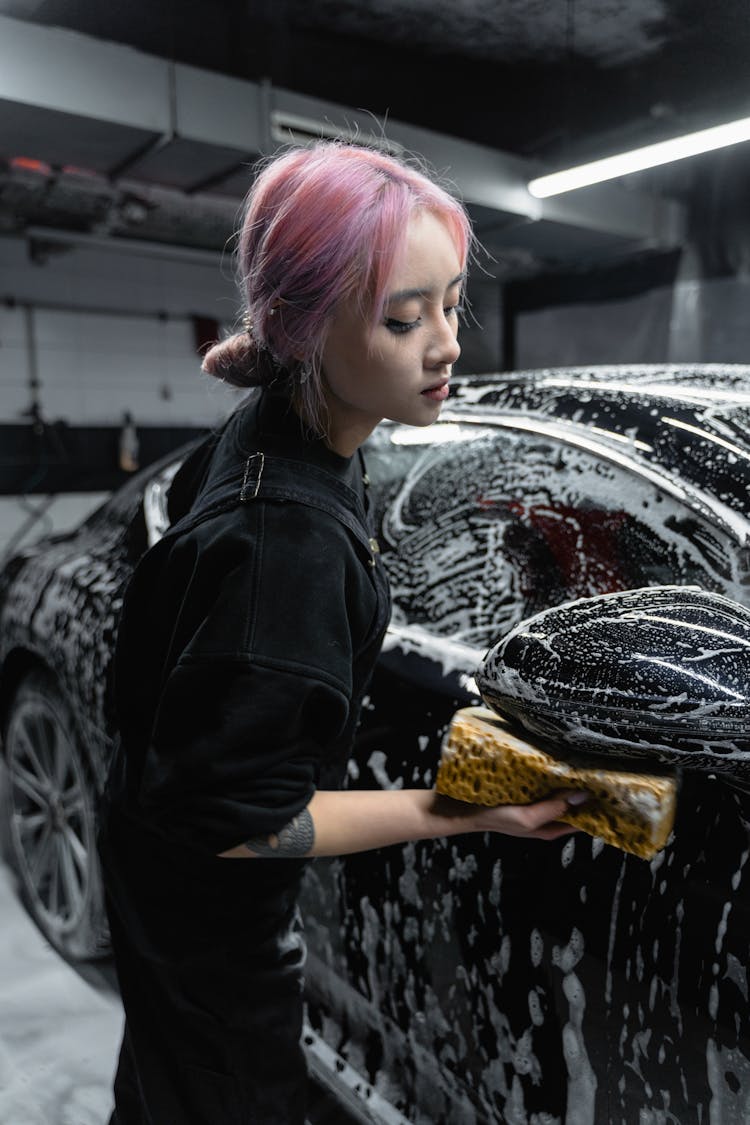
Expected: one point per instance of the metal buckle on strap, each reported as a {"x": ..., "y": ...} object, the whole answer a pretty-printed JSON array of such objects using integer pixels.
[{"x": 253, "y": 473}]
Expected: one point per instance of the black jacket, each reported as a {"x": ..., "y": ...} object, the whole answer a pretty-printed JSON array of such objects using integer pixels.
[{"x": 247, "y": 637}]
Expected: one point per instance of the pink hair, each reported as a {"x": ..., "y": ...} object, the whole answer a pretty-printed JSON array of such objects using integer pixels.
[{"x": 321, "y": 225}]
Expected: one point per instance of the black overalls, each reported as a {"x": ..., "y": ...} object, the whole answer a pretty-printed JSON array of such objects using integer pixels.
[{"x": 247, "y": 639}]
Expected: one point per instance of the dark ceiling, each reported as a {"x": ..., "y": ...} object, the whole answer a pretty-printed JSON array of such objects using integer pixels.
[{"x": 553, "y": 79}]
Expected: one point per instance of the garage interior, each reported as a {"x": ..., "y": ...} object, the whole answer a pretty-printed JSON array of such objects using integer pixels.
[{"x": 128, "y": 135}]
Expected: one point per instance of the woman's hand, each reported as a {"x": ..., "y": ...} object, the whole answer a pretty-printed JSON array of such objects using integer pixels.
[{"x": 537, "y": 821}]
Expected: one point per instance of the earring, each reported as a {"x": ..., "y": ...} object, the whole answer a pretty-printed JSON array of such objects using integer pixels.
[{"x": 305, "y": 371}]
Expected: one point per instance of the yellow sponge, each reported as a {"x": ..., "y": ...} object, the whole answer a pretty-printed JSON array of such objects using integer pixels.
[{"x": 484, "y": 763}]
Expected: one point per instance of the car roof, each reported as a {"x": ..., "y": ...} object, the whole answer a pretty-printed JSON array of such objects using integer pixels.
[{"x": 689, "y": 423}]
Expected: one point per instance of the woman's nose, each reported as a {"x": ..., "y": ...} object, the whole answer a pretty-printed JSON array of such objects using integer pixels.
[{"x": 445, "y": 348}]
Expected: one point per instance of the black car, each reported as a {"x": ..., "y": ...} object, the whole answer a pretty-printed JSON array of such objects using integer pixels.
[{"x": 476, "y": 979}]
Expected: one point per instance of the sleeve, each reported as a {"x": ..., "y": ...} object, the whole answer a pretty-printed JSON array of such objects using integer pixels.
[
  {"x": 262, "y": 632},
  {"x": 235, "y": 750}
]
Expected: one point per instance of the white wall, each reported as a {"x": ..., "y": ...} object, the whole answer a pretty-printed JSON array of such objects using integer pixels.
[
  {"x": 92, "y": 366},
  {"x": 691, "y": 322}
]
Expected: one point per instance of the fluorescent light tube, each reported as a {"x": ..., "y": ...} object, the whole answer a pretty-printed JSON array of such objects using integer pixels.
[{"x": 718, "y": 136}]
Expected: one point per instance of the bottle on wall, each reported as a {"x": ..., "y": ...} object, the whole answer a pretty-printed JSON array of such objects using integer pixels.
[{"x": 129, "y": 445}]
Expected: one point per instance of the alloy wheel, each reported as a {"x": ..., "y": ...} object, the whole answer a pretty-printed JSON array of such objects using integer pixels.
[{"x": 52, "y": 822}]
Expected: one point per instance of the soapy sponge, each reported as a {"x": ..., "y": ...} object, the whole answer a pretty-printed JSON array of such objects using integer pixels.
[{"x": 485, "y": 763}]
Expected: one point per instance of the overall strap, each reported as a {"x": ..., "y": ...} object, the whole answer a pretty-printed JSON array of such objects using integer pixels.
[
  {"x": 278, "y": 478},
  {"x": 265, "y": 476}
]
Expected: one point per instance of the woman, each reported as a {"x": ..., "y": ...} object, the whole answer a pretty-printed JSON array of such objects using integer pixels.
[{"x": 249, "y": 633}]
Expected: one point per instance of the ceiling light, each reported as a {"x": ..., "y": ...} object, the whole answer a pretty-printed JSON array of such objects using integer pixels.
[{"x": 718, "y": 136}]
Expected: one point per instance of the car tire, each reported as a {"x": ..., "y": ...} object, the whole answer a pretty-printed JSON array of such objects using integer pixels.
[{"x": 50, "y": 819}]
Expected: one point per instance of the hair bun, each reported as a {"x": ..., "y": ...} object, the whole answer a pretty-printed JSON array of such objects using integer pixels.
[{"x": 235, "y": 361}]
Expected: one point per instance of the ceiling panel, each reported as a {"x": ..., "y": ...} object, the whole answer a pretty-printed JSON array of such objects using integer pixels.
[
  {"x": 65, "y": 138},
  {"x": 533, "y": 77},
  {"x": 190, "y": 166}
]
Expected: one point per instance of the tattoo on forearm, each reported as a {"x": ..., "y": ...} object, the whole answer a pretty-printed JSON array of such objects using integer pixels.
[{"x": 293, "y": 841}]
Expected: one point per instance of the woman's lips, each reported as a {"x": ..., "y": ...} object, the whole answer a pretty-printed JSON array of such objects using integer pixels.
[{"x": 438, "y": 393}]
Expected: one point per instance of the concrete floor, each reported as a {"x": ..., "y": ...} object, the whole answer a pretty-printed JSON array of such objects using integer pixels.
[{"x": 59, "y": 1034}]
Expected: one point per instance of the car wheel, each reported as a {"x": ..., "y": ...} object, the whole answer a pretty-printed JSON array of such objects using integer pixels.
[{"x": 51, "y": 819}]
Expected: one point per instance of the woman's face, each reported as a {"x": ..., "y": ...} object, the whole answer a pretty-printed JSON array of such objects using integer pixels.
[{"x": 399, "y": 369}]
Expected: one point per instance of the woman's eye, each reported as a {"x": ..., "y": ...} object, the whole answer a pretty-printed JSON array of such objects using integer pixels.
[
  {"x": 400, "y": 325},
  {"x": 454, "y": 310}
]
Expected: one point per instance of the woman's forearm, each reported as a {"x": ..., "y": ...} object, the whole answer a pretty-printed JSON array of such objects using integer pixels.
[
  {"x": 358, "y": 820},
  {"x": 339, "y": 823}
]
